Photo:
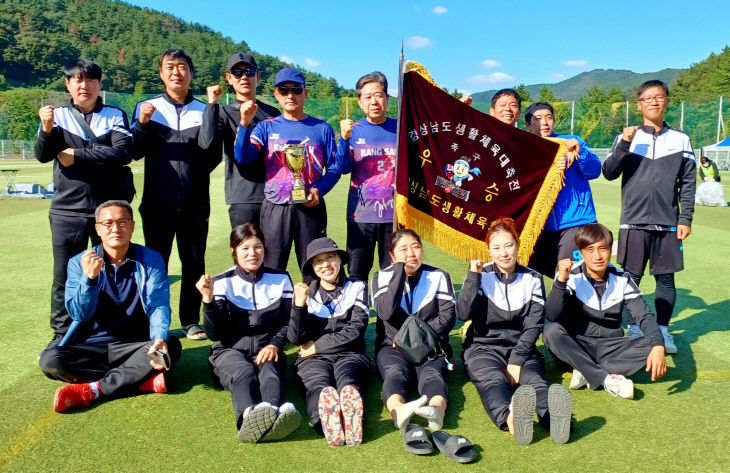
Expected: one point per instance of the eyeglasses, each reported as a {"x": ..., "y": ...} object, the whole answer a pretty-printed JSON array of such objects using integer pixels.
[
  {"x": 296, "y": 90},
  {"x": 240, "y": 72},
  {"x": 658, "y": 98},
  {"x": 121, "y": 223}
]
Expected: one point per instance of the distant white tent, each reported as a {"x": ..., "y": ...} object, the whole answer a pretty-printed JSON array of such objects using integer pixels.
[{"x": 719, "y": 152}]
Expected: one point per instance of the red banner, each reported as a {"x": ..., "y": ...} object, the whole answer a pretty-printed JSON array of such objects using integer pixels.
[{"x": 459, "y": 169}]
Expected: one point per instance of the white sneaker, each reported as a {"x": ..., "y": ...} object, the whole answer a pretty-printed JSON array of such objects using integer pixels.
[
  {"x": 578, "y": 380},
  {"x": 669, "y": 346},
  {"x": 618, "y": 385},
  {"x": 633, "y": 330}
]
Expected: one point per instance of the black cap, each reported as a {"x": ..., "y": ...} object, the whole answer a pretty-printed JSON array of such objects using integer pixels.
[
  {"x": 319, "y": 246},
  {"x": 240, "y": 57}
]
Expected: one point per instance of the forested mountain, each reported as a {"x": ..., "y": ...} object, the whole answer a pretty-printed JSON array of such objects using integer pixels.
[
  {"x": 37, "y": 37},
  {"x": 577, "y": 86},
  {"x": 705, "y": 80}
]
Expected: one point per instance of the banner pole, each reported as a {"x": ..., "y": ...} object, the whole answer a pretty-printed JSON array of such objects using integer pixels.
[{"x": 397, "y": 136}]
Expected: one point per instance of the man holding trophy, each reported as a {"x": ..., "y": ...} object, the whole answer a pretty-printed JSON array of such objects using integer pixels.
[{"x": 299, "y": 153}]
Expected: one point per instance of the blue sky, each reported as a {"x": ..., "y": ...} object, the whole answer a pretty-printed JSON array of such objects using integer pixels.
[{"x": 469, "y": 45}]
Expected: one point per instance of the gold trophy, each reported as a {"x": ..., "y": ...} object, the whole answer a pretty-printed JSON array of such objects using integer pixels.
[{"x": 295, "y": 162}]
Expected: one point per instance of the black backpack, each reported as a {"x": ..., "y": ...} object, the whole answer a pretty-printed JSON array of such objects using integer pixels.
[{"x": 417, "y": 341}]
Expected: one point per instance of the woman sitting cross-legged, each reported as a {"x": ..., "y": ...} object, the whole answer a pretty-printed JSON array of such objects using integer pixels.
[
  {"x": 246, "y": 313},
  {"x": 506, "y": 303},
  {"x": 328, "y": 322}
]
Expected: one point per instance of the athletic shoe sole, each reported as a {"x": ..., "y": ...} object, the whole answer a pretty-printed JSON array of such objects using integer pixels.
[
  {"x": 286, "y": 423},
  {"x": 256, "y": 424},
  {"x": 523, "y": 413},
  {"x": 560, "y": 407},
  {"x": 352, "y": 411},
  {"x": 329, "y": 416}
]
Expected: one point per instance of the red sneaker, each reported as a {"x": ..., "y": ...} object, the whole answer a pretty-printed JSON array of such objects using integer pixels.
[
  {"x": 72, "y": 395},
  {"x": 155, "y": 384}
]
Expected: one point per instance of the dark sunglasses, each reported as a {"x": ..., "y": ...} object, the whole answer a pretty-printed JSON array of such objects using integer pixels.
[
  {"x": 296, "y": 90},
  {"x": 239, "y": 72}
]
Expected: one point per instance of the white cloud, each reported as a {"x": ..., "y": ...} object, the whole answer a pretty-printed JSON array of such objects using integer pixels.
[
  {"x": 464, "y": 92},
  {"x": 439, "y": 10},
  {"x": 557, "y": 76},
  {"x": 490, "y": 63},
  {"x": 286, "y": 59},
  {"x": 575, "y": 63},
  {"x": 309, "y": 62},
  {"x": 490, "y": 79},
  {"x": 416, "y": 42}
]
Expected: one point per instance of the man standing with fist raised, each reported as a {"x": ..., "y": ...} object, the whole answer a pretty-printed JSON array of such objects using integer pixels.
[
  {"x": 89, "y": 144},
  {"x": 281, "y": 220},
  {"x": 176, "y": 201},
  {"x": 244, "y": 182},
  {"x": 657, "y": 168},
  {"x": 367, "y": 150}
]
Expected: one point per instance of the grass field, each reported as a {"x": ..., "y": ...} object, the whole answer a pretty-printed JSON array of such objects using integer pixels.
[{"x": 680, "y": 423}]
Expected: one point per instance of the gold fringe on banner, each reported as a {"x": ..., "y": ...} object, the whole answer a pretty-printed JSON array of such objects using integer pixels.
[
  {"x": 463, "y": 246},
  {"x": 440, "y": 234},
  {"x": 540, "y": 210}
]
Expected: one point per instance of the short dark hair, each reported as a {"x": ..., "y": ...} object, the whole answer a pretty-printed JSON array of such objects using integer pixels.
[
  {"x": 177, "y": 54},
  {"x": 591, "y": 233},
  {"x": 502, "y": 92},
  {"x": 82, "y": 68},
  {"x": 375, "y": 76},
  {"x": 244, "y": 232},
  {"x": 113, "y": 203},
  {"x": 652, "y": 83},
  {"x": 502, "y": 224},
  {"x": 535, "y": 107},
  {"x": 398, "y": 234}
]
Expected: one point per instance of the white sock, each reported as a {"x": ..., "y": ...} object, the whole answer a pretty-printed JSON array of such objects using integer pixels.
[
  {"x": 431, "y": 414},
  {"x": 95, "y": 389},
  {"x": 407, "y": 411},
  {"x": 287, "y": 406}
]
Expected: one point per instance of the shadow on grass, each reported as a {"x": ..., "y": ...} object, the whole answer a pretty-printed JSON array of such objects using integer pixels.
[
  {"x": 585, "y": 427},
  {"x": 192, "y": 369},
  {"x": 688, "y": 330}
]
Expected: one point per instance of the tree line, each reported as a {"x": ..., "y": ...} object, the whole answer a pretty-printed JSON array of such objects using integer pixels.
[{"x": 39, "y": 37}]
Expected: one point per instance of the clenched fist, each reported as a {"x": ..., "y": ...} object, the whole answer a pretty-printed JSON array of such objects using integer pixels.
[
  {"x": 248, "y": 111},
  {"x": 146, "y": 110},
  {"x": 564, "y": 267},
  {"x": 346, "y": 128},
  {"x": 301, "y": 292},
  {"x": 214, "y": 93},
  {"x": 46, "y": 114},
  {"x": 628, "y": 133},
  {"x": 205, "y": 286},
  {"x": 476, "y": 265},
  {"x": 91, "y": 264}
]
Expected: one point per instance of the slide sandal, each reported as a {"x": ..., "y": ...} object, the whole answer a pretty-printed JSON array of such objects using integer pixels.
[
  {"x": 456, "y": 447},
  {"x": 416, "y": 440}
]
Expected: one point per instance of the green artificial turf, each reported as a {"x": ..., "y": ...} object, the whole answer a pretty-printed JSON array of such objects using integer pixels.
[{"x": 680, "y": 423}]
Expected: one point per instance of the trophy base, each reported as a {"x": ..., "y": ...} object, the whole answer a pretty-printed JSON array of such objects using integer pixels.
[{"x": 298, "y": 196}]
